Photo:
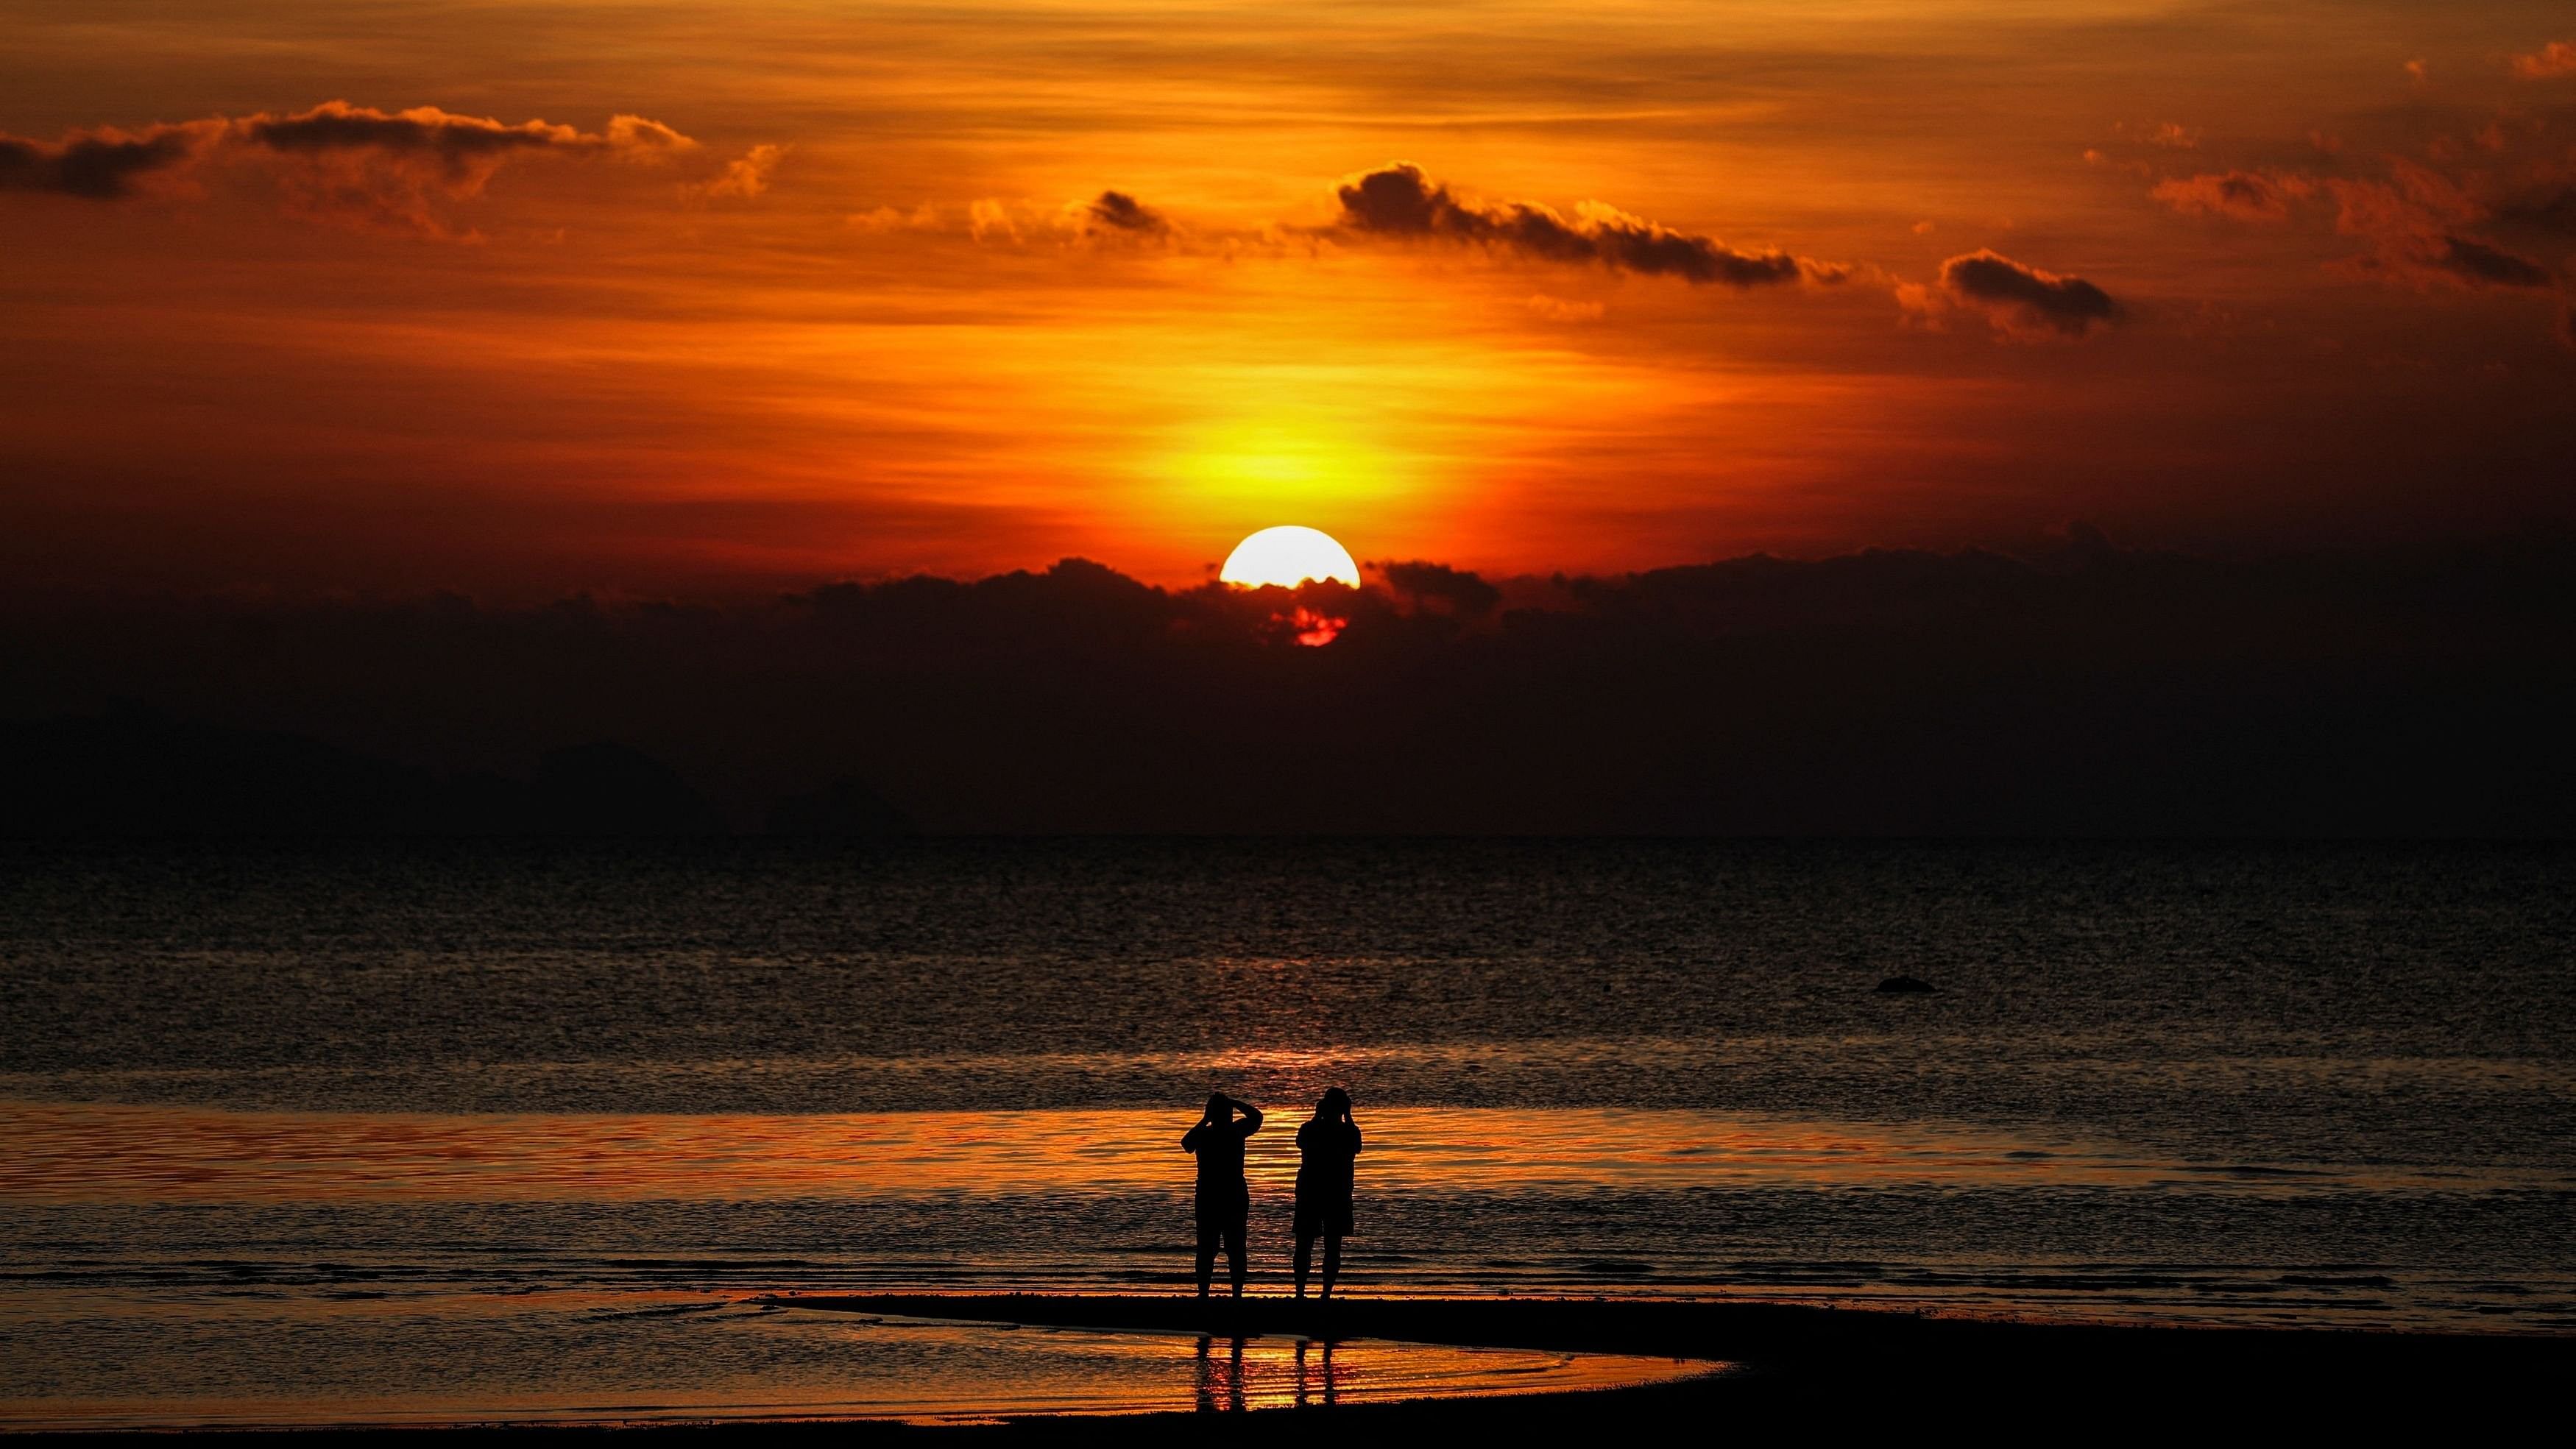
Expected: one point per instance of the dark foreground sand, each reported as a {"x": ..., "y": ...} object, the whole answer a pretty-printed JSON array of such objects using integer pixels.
[{"x": 1800, "y": 1371}]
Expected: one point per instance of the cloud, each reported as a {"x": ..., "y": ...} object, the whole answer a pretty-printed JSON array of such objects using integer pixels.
[
  {"x": 2022, "y": 300},
  {"x": 2553, "y": 211},
  {"x": 2478, "y": 262},
  {"x": 1116, "y": 211},
  {"x": 336, "y": 161},
  {"x": 1400, "y": 201},
  {"x": 452, "y": 138},
  {"x": 2241, "y": 195},
  {"x": 2557, "y": 58},
  {"x": 924, "y": 217},
  {"x": 461, "y": 143},
  {"x": 2413, "y": 223},
  {"x": 102, "y": 164},
  {"x": 1560, "y": 309},
  {"x": 747, "y": 175},
  {"x": 636, "y": 139},
  {"x": 988, "y": 219},
  {"x": 359, "y": 166},
  {"x": 1440, "y": 588},
  {"x": 2421, "y": 223}
]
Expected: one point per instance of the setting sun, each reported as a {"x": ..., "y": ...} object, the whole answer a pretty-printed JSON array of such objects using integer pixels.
[
  {"x": 1288, "y": 556},
  {"x": 612, "y": 637}
]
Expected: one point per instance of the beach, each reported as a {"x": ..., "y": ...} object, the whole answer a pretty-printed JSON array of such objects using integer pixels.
[
  {"x": 1782, "y": 1361},
  {"x": 845, "y": 722},
  {"x": 506, "y": 1134}
]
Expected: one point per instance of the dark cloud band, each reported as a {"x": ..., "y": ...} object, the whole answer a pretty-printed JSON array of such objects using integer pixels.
[
  {"x": 1401, "y": 201},
  {"x": 2478, "y": 262},
  {"x": 2024, "y": 294},
  {"x": 99, "y": 166},
  {"x": 104, "y": 164},
  {"x": 1118, "y": 211}
]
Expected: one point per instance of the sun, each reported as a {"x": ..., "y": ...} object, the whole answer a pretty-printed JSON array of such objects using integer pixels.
[{"x": 1288, "y": 556}]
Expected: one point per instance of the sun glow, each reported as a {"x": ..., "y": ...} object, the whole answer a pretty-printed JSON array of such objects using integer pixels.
[{"x": 1288, "y": 556}]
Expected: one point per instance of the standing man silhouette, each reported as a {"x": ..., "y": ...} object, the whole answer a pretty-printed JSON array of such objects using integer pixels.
[
  {"x": 1225, "y": 1199},
  {"x": 1326, "y": 1145}
]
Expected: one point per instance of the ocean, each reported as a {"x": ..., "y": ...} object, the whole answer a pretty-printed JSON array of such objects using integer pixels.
[{"x": 430, "y": 1132}]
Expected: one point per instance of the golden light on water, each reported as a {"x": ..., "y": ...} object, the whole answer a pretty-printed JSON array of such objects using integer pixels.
[{"x": 83, "y": 1152}]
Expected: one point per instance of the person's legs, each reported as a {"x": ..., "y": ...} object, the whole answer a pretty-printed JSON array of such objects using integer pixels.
[
  {"x": 1207, "y": 1254},
  {"x": 1234, "y": 1253},
  {"x": 1305, "y": 1255},
  {"x": 1332, "y": 1259}
]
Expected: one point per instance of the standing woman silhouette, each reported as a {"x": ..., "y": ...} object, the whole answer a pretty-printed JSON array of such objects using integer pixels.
[
  {"x": 1225, "y": 1199},
  {"x": 1326, "y": 1146}
]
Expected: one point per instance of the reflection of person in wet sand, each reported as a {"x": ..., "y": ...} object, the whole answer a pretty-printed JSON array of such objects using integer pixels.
[
  {"x": 1332, "y": 1379},
  {"x": 1326, "y": 1144},
  {"x": 1225, "y": 1199},
  {"x": 1220, "y": 1384}
]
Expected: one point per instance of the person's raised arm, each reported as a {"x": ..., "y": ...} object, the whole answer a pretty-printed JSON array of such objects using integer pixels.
[
  {"x": 1355, "y": 1133},
  {"x": 1251, "y": 1117},
  {"x": 1190, "y": 1139}
]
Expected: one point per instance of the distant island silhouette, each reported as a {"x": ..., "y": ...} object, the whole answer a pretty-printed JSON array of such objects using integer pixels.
[
  {"x": 2085, "y": 690},
  {"x": 132, "y": 771}
]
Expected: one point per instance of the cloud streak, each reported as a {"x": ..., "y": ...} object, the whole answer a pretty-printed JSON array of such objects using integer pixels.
[
  {"x": 2486, "y": 265},
  {"x": 2416, "y": 221},
  {"x": 2553, "y": 211},
  {"x": 459, "y": 143},
  {"x": 1439, "y": 587},
  {"x": 2022, "y": 300},
  {"x": 99, "y": 165},
  {"x": 1119, "y": 212},
  {"x": 747, "y": 175},
  {"x": 2555, "y": 59},
  {"x": 369, "y": 168},
  {"x": 335, "y": 161},
  {"x": 2239, "y": 195},
  {"x": 1400, "y": 201},
  {"x": 2414, "y": 224}
]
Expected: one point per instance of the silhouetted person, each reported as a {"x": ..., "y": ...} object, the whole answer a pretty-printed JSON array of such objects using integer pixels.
[
  {"x": 1225, "y": 1199},
  {"x": 1326, "y": 1146}
]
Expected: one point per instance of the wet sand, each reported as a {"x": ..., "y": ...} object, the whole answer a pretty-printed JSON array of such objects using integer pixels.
[
  {"x": 1805, "y": 1369},
  {"x": 873, "y": 1367},
  {"x": 1791, "y": 1369}
]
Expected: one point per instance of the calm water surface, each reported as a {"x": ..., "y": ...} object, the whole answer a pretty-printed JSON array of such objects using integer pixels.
[{"x": 530, "y": 1110}]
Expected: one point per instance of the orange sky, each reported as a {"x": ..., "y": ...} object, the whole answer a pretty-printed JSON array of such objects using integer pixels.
[{"x": 850, "y": 304}]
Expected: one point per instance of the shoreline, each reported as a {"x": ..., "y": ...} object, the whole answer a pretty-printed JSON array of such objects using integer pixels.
[
  {"x": 1766, "y": 1336},
  {"x": 1798, "y": 1367}
]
